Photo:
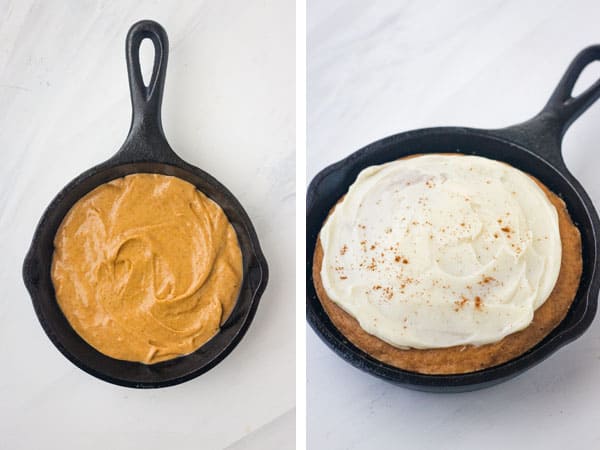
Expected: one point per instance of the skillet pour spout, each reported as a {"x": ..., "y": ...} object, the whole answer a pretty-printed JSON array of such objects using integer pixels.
[
  {"x": 534, "y": 147},
  {"x": 145, "y": 150}
]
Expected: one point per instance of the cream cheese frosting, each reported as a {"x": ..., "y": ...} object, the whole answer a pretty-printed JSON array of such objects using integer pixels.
[{"x": 441, "y": 250}]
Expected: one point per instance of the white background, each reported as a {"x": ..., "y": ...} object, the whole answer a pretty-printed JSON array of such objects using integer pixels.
[
  {"x": 229, "y": 109},
  {"x": 380, "y": 67}
]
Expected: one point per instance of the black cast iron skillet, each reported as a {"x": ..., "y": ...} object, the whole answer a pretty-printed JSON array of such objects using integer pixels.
[
  {"x": 145, "y": 150},
  {"x": 534, "y": 147}
]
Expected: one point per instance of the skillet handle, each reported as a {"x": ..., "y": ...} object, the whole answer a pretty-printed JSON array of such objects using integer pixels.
[
  {"x": 146, "y": 101},
  {"x": 146, "y": 139},
  {"x": 543, "y": 134},
  {"x": 562, "y": 103}
]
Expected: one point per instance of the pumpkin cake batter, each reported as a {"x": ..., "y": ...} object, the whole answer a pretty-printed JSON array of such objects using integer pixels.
[
  {"x": 425, "y": 324},
  {"x": 146, "y": 268}
]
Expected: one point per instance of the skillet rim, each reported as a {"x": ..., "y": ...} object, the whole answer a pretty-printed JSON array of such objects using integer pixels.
[{"x": 32, "y": 270}]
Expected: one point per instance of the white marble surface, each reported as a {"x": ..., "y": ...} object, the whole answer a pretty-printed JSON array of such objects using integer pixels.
[
  {"x": 381, "y": 67},
  {"x": 228, "y": 108}
]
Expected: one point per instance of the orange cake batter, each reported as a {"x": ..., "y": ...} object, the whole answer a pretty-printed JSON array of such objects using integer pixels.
[{"x": 146, "y": 268}]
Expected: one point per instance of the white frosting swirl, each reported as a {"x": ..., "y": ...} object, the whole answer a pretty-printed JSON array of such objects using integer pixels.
[{"x": 441, "y": 250}]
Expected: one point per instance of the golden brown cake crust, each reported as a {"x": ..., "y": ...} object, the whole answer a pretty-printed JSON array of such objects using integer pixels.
[{"x": 469, "y": 358}]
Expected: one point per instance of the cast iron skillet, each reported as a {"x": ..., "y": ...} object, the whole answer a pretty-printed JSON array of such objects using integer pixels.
[
  {"x": 145, "y": 150},
  {"x": 534, "y": 147}
]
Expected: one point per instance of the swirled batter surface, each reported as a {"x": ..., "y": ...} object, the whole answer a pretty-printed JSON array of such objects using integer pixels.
[{"x": 146, "y": 268}]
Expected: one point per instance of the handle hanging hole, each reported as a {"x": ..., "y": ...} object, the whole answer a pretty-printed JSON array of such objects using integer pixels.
[
  {"x": 147, "y": 54},
  {"x": 588, "y": 77}
]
